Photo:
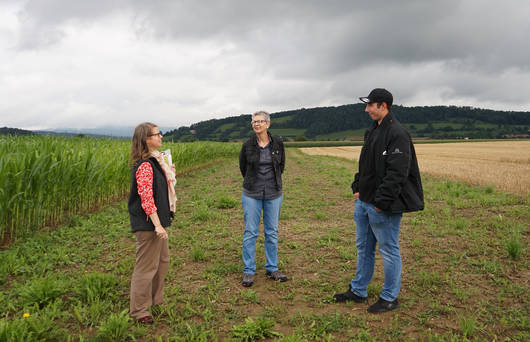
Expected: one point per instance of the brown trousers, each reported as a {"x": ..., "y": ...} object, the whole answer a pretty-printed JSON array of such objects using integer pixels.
[{"x": 152, "y": 264}]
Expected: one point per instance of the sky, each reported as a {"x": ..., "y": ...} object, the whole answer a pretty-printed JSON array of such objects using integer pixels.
[{"x": 97, "y": 63}]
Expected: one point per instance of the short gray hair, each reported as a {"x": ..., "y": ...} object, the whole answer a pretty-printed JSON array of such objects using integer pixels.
[{"x": 266, "y": 115}]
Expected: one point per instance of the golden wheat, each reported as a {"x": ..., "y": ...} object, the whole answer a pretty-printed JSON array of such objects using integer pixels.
[{"x": 502, "y": 164}]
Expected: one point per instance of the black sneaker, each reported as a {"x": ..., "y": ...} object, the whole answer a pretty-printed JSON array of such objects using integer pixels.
[
  {"x": 348, "y": 296},
  {"x": 383, "y": 306},
  {"x": 248, "y": 280},
  {"x": 276, "y": 275}
]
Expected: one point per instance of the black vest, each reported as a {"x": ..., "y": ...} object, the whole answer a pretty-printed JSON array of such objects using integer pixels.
[{"x": 138, "y": 217}]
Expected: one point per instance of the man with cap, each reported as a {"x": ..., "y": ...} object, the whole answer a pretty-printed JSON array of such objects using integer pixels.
[{"x": 388, "y": 184}]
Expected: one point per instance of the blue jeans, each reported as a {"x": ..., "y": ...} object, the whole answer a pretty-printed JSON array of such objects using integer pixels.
[
  {"x": 376, "y": 227},
  {"x": 271, "y": 214}
]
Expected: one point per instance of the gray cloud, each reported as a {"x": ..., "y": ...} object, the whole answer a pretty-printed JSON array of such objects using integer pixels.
[{"x": 187, "y": 60}]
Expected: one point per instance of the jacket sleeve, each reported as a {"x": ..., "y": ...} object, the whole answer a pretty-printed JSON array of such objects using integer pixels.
[
  {"x": 397, "y": 165},
  {"x": 282, "y": 161},
  {"x": 355, "y": 183},
  {"x": 243, "y": 161}
]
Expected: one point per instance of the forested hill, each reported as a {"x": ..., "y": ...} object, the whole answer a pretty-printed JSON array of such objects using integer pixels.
[
  {"x": 14, "y": 131},
  {"x": 350, "y": 121}
]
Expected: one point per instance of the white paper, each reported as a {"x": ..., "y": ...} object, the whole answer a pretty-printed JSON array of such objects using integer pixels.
[{"x": 167, "y": 157}]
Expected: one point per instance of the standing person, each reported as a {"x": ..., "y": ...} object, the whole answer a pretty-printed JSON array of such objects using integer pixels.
[
  {"x": 388, "y": 184},
  {"x": 151, "y": 207},
  {"x": 261, "y": 161}
]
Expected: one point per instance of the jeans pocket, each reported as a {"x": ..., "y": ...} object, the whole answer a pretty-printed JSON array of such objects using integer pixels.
[{"x": 377, "y": 217}]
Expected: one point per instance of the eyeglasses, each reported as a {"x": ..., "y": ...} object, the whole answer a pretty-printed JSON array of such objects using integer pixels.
[
  {"x": 258, "y": 122},
  {"x": 160, "y": 134}
]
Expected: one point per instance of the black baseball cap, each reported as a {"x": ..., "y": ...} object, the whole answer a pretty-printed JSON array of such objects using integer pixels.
[{"x": 378, "y": 95}]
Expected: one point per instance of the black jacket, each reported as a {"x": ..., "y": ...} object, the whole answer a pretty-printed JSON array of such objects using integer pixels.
[
  {"x": 138, "y": 217},
  {"x": 389, "y": 176},
  {"x": 249, "y": 160}
]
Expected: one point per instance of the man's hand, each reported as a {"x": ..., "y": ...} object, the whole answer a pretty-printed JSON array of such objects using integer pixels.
[{"x": 356, "y": 196}]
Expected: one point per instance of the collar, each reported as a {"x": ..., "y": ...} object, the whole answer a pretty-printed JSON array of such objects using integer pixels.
[
  {"x": 255, "y": 139},
  {"x": 385, "y": 122}
]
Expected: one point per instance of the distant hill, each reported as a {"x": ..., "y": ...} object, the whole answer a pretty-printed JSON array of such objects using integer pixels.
[
  {"x": 18, "y": 131},
  {"x": 101, "y": 132},
  {"x": 350, "y": 122},
  {"x": 14, "y": 131},
  {"x": 106, "y": 131}
]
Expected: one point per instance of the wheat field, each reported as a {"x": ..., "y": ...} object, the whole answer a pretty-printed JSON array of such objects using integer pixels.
[{"x": 504, "y": 165}]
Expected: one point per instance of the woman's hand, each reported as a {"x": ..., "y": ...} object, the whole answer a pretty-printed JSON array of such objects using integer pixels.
[
  {"x": 173, "y": 168},
  {"x": 161, "y": 232}
]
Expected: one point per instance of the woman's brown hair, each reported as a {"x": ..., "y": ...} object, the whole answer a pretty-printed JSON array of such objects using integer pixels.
[{"x": 139, "y": 149}]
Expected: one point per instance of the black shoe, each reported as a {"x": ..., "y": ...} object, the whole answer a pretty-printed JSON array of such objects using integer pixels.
[
  {"x": 348, "y": 296},
  {"x": 248, "y": 280},
  {"x": 383, "y": 306},
  {"x": 276, "y": 275}
]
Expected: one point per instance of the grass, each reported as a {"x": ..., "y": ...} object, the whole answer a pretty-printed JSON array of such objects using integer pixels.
[{"x": 459, "y": 279}]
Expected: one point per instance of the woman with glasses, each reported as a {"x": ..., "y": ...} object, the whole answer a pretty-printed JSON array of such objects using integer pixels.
[
  {"x": 151, "y": 207},
  {"x": 261, "y": 160}
]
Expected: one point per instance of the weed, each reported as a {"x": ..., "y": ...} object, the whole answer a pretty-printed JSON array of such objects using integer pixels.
[
  {"x": 252, "y": 330},
  {"x": 428, "y": 280},
  {"x": 250, "y": 296},
  {"x": 198, "y": 253},
  {"x": 293, "y": 338},
  {"x": 32, "y": 328},
  {"x": 315, "y": 327},
  {"x": 320, "y": 215},
  {"x": 373, "y": 289},
  {"x": 468, "y": 326},
  {"x": 40, "y": 291},
  {"x": 115, "y": 328},
  {"x": 92, "y": 313},
  {"x": 202, "y": 213},
  {"x": 363, "y": 336},
  {"x": 15, "y": 330},
  {"x": 514, "y": 247},
  {"x": 346, "y": 253},
  {"x": 95, "y": 286},
  {"x": 226, "y": 202},
  {"x": 193, "y": 333}
]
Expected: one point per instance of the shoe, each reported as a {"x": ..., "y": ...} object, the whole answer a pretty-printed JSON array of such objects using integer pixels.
[
  {"x": 146, "y": 320},
  {"x": 248, "y": 280},
  {"x": 276, "y": 275},
  {"x": 383, "y": 306},
  {"x": 349, "y": 296}
]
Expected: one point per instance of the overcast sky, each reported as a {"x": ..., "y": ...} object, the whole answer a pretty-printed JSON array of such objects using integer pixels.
[{"x": 83, "y": 64}]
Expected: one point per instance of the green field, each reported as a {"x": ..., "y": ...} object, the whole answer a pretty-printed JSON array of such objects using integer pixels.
[
  {"x": 342, "y": 135},
  {"x": 465, "y": 267},
  {"x": 287, "y": 132}
]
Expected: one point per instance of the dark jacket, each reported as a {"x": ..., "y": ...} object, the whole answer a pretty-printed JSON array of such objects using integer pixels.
[
  {"x": 138, "y": 217},
  {"x": 249, "y": 160},
  {"x": 389, "y": 176}
]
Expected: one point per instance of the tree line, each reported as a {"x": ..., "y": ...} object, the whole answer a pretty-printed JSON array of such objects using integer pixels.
[{"x": 426, "y": 121}]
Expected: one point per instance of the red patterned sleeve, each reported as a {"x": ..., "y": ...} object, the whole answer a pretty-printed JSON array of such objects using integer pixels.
[{"x": 144, "y": 179}]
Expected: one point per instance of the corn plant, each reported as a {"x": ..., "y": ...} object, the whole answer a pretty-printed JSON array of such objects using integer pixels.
[{"x": 46, "y": 180}]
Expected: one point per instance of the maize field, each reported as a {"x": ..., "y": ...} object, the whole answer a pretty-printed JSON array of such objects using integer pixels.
[{"x": 45, "y": 180}]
